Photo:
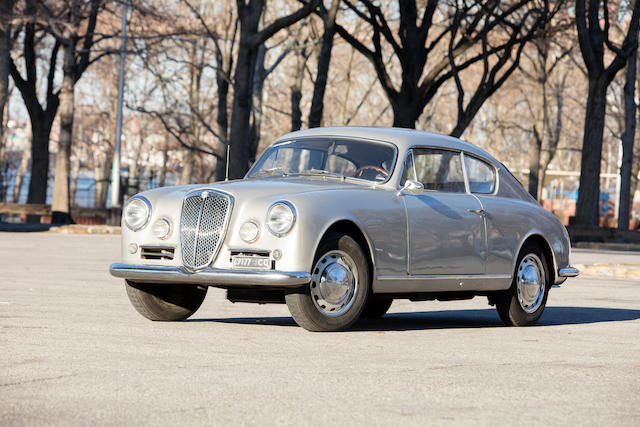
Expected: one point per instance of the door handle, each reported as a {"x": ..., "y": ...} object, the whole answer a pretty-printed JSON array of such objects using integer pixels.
[{"x": 477, "y": 211}]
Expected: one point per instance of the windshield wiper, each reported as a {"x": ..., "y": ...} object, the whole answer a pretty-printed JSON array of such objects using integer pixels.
[
  {"x": 269, "y": 172},
  {"x": 321, "y": 172}
]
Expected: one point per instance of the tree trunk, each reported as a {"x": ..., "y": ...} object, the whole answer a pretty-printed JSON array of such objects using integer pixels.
[
  {"x": 60, "y": 204},
  {"x": 587, "y": 207},
  {"x": 22, "y": 170},
  {"x": 628, "y": 138},
  {"x": 296, "y": 91},
  {"x": 534, "y": 165},
  {"x": 259, "y": 76},
  {"x": 40, "y": 132},
  {"x": 187, "y": 166},
  {"x": 403, "y": 114},
  {"x": 222, "y": 121},
  {"x": 240, "y": 130},
  {"x": 5, "y": 8},
  {"x": 163, "y": 168},
  {"x": 324, "y": 61},
  {"x": 73, "y": 186}
]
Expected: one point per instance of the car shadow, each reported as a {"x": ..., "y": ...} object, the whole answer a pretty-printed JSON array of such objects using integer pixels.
[{"x": 455, "y": 319}]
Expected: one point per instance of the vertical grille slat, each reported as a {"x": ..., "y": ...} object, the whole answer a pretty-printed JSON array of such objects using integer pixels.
[{"x": 202, "y": 226}]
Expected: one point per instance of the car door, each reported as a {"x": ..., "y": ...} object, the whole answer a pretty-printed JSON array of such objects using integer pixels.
[
  {"x": 446, "y": 234},
  {"x": 507, "y": 219}
]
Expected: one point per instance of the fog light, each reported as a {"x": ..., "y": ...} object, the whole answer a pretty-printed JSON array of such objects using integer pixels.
[
  {"x": 161, "y": 228},
  {"x": 132, "y": 248},
  {"x": 277, "y": 254},
  {"x": 249, "y": 232}
]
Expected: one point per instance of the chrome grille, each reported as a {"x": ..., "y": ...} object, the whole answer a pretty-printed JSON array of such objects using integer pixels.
[{"x": 203, "y": 223}]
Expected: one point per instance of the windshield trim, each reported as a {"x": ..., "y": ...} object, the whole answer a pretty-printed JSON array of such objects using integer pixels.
[{"x": 332, "y": 138}]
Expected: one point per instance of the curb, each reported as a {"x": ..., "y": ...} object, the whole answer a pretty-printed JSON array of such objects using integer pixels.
[
  {"x": 632, "y": 247},
  {"x": 623, "y": 271},
  {"x": 85, "y": 229}
]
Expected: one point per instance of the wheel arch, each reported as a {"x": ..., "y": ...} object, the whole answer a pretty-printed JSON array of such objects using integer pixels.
[
  {"x": 539, "y": 240},
  {"x": 356, "y": 232}
]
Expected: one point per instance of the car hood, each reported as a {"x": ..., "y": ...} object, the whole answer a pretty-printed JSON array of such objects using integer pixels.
[{"x": 262, "y": 187}]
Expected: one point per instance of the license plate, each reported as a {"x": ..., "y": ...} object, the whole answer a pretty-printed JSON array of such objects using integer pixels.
[{"x": 251, "y": 262}]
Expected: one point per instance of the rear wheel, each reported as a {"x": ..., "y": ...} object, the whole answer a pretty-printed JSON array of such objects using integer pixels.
[
  {"x": 523, "y": 303},
  {"x": 165, "y": 302},
  {"x": 338, "y": 290}
]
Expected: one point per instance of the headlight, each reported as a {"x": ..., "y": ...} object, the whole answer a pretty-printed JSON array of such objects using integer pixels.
[
  {"x": 161, "y": 228},
  {"x": 280, "y": 218},
  {"x": 249, "y": 232},
  {"x": 136, "y": 212}
]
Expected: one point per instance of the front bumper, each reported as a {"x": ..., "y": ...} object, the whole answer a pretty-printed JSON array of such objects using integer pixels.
[
  {"x": 565, "y": 273},
  {"x": 209, "y": 276}
]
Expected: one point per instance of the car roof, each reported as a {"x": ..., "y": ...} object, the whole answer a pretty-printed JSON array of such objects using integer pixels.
[{"x": 401, "y": 137}]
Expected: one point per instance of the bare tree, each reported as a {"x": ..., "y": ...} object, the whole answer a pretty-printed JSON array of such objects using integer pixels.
[
  {"x": 593, "y": 24},
  {"x": 546, "y": 104},
  {"x": 71, "y": 25},
  {"x": 324, "y": 61},
  {"x": 467, "y": 33},
  {"x": 251, "y": 37}
]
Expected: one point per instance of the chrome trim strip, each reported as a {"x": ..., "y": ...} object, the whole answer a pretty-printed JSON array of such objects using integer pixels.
[
  {"x": 568, "y": 272},
  {"x": 209, "y": 276},
  {"x": 444, "y": 276}
]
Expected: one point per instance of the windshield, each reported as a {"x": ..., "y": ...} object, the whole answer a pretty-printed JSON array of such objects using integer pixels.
[{"x": 357, "y": 159}]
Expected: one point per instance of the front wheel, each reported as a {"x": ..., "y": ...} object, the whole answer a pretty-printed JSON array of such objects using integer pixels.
[
  {"x": 338, "y": 290},
  {"x": 523, "y": 303},
  {"x": 165, "y": 302}
]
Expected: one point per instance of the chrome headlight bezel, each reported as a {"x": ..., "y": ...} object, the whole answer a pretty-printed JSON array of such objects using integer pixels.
[
  {"x": 281, "y": 231},
  {"x": 146, "y": 204}
]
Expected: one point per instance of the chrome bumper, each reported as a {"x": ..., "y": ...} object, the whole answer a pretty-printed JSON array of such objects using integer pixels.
[
  {"x": 564, "y": 273},
  {"x": 209, "y": 276},
  {"x": 568, "y": 272}
]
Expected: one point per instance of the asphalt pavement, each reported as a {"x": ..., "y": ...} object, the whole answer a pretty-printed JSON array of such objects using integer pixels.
[{"x": 74, "y": 352}]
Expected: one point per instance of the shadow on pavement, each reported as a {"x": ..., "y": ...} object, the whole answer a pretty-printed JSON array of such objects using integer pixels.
[{"x": 452, "y": 319}]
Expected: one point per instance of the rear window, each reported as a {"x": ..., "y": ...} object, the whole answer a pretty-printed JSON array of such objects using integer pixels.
[{"x": 482, "y": 177}]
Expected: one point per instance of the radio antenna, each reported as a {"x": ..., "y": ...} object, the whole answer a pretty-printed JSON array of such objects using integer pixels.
[{"x": 226, "y": 169}]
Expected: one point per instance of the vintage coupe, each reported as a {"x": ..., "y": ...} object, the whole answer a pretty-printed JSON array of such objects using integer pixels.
[{"x": 337, "y": 222}]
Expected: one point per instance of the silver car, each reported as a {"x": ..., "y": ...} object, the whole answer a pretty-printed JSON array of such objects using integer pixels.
[{"x": 338, "y": 222}]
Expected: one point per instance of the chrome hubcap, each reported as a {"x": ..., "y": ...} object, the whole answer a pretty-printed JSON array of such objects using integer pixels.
[
  {"x": 530, "y": 283},
  {"x": 334, "y": 283}
]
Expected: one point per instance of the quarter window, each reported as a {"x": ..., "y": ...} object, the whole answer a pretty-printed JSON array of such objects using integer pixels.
[
  {"x": 439, "y": 170},
  {"x": 482, "y": 177}
]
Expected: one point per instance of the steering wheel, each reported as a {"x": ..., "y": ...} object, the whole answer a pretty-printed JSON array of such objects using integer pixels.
[{"x": 371, "y": 167}]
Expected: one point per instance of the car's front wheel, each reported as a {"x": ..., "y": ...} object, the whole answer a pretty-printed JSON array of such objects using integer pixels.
[
  {"x": 338, "y": 290},
  {"x": 165, "y": 302},
  {"x": 523, "y": 303}
]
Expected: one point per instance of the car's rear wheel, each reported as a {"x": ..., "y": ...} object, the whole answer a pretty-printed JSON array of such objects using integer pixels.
[
  {"x": 376, "y": 307},
  {"x": 338, "y": 290},
  {"x": 523, "y": 303},
  {"x": 165, "y": 302}
]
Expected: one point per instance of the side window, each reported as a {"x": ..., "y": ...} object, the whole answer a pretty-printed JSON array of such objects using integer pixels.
[
  {"x": 482, "y": 177},
  {"x": 439, "y": 170}
]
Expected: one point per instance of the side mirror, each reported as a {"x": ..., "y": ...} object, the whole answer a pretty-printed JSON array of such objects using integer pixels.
[{"x": 412, "y": 187}]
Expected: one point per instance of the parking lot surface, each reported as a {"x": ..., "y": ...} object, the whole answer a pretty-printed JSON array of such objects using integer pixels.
[{"x": 74, "y": 352}]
